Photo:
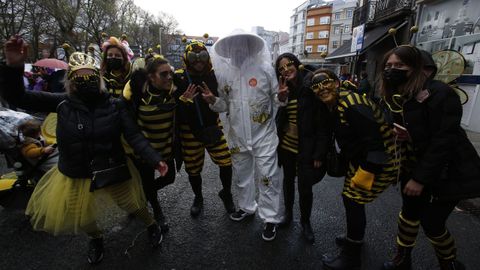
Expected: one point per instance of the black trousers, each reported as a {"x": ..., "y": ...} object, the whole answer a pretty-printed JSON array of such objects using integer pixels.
[
  {"x": 149, "y": 183},
  {"x": 304, "y": 184},
  {"x": 432, "y": 215}
]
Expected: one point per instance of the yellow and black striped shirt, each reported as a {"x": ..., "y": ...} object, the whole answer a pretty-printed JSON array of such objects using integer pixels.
[
  {"x": 290, "y": 139},
  {"x": 155, "y": 117}
]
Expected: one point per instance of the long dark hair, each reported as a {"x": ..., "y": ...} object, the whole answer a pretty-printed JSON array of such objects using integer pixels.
[{"x": 412, "y": 57}]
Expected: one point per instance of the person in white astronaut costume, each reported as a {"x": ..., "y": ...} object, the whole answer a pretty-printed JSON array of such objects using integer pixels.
[{"x": 247, "y": 88}]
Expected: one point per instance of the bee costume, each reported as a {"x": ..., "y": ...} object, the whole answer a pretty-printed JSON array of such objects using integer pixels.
[
  {"x": 200, "y": 127},
  {"x": 154, "y": 111},
  {"x": 367, "y": 141}
]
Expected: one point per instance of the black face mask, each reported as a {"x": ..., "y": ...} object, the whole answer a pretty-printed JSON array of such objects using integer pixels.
[
  {"x": 394, "y": 76},
  {"x": 114, "y": 63},
  {"x": 88, "y": 90}
]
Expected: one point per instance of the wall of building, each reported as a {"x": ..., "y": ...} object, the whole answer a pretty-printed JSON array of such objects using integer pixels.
[
  {"x": 297, "y": 27},
  {"x": 317, "y": 30},
  {"x": 455, "y": 25},
  {"x": 341, "y": 26}
]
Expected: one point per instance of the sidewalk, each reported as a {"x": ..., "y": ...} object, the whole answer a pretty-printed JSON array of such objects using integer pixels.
[{"x": 472, "y": 205}]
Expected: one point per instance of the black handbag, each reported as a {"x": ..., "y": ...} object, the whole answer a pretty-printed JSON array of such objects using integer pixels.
[
  {"x": 335, "y": 162},
  {"x": 105, "y": 173}
]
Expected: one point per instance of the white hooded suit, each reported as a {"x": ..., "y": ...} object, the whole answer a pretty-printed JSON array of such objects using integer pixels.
[{"x": 247, "y": 88}]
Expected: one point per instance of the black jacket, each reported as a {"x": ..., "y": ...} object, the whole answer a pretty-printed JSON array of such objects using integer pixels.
[
  {"x": 83, "y": 133},
  {"x": 446, "y": 163},
  {"x": 188, "y": 112},
  {"x": 313, "y": 129}
]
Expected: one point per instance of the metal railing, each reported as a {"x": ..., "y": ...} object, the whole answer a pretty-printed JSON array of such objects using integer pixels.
[
  {"x": 364, "y": 14},
  {"x": 387, "y": 8}
]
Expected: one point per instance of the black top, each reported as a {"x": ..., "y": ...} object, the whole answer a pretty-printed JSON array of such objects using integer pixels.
[
  {"x": 446, "y": 161},
  {"x": 83, "y": 133}
]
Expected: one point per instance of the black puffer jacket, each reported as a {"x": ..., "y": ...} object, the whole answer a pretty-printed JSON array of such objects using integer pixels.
[
  {"x": 83, "y": 133},
  {"x": 314, "y": 132},
  {"x": 446, "y": 161}
]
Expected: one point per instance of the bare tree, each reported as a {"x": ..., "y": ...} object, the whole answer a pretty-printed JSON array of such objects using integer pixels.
[
  {"x": 12, "y": 17},
  {"x": 65, "y": 13}
]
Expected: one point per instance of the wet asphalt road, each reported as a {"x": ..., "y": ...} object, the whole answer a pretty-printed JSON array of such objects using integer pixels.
[{"x": 212, "y": 241}]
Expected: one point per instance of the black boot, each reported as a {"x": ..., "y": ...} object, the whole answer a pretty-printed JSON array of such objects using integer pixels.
[
  {"x": 308, "y": 232},
  {"x": 155, "y": 235},
  {"x": 227, "y": 200},
  {"x": 95, "y": 250},
  {"x": 160, "y": 217},
  {"x": 451, "y": 265},
  {"x": 287, "y": 219},
  {"x": 196, "y": 184},
  {"x": 349, "y": 257},
  {"x": 197, "y": 206},
  {"x": 342, "y": 239},
  {"x": 401, "y": 261}
]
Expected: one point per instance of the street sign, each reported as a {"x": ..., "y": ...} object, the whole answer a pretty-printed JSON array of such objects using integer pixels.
[{"x": 357, "y": 38}]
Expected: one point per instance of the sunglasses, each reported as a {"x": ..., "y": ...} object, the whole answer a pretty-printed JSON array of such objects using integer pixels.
[
  {"x": 193, "y": 57},
  {"x": 321, "y": 84},
  {"x": 285, "y": 67}
]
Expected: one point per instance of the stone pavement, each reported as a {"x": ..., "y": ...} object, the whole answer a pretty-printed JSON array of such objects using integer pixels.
[{"x": 472, "y": 205}]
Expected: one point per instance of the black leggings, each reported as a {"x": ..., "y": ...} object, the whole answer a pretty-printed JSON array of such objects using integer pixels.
[
  {"x": 149, "y": 183},
  {"x": 432, "y": 215},
  {"x": 356, "y": 219},
  {"x": 304, "y": 185}
]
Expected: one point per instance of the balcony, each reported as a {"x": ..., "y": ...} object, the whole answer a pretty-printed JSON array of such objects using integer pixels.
[
  {"x": 388, "y": 9},
  {"x": 364, "y": 14},
  {"x": 381, "y": 10}
]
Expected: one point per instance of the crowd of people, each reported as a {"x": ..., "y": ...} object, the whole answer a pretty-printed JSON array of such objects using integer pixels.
[{"x": 118, "y": 124}]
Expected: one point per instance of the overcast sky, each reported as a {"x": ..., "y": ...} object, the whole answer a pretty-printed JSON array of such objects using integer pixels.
[{"x": 220, "y": 17}]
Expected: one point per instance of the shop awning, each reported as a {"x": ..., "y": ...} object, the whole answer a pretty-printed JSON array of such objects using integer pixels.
[{"x": 371, "y": 38}]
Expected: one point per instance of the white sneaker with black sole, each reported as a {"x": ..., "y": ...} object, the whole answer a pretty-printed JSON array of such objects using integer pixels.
[
  {"x": 239, "y": 215},
  {"x": 269, "y": 231}
]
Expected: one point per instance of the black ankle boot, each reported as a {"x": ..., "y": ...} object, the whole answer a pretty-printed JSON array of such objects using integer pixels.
[
  {"x": 155, "y": 235},
  {"x": 451, "y": 265},
  {"x": 287, "y": 219},
  {"x": 227, "y": 201},
  {"x": 160, "y": 218},
  {"x": 348, "y": 259},
  {"x": 401, "y": 261},
  {"x": 197, "y": 206},
  {"x": 308, "y": 232},
  {"x": 342, "y": 239},
  {"x": 95, "y": 250}
]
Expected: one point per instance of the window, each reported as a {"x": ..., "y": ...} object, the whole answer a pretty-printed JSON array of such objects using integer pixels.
[
  {"x": 294, "y": 40},
  {"x": 337, "y": 16},
  {"x": 335, "y": 44},
  {"x": 323, "y": 34},
  {"x": 347, "y": 29},
  {"x": 309, "y": 35},
  {"x": 349, "y": 14},
  {"x": 310, "y": 21},
  {"x": 321, "y": 48},
  {"x": 436, "y": 15},
  {"x": 308, "y": 49},
  {"x": 336, "y": 30},
  {"x": 324, "y": 20}
]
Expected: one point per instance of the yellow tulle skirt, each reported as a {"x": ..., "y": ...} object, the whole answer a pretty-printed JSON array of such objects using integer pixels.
[{"x": 63, "y": 205}]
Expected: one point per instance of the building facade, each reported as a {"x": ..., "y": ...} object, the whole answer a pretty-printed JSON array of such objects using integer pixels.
[
  {"x": 341, "y": 27},
  {"x": 297, "y": 28},
  {"x": 317, "y": 31},
  {"x": 272, "y": 39}
]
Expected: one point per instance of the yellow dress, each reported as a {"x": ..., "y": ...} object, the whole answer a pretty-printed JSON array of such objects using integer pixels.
[{"x": 61, "y": 205}]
